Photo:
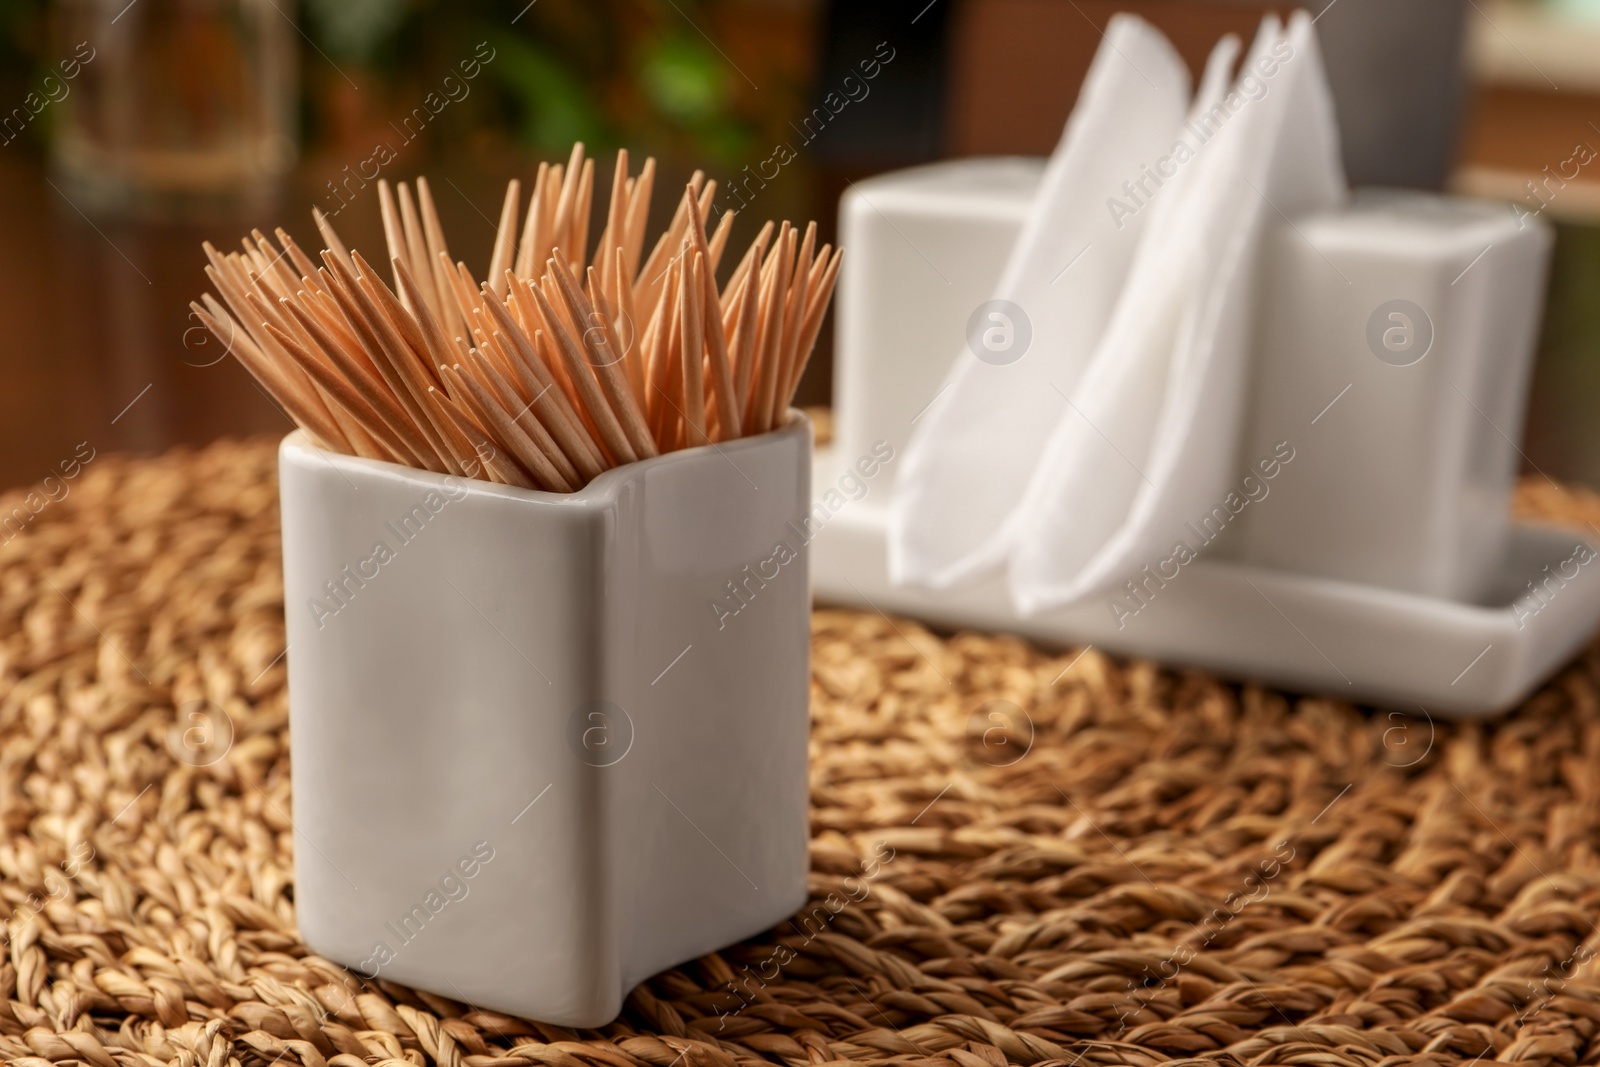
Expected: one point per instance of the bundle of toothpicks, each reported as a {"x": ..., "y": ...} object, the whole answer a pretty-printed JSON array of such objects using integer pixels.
[{"x": 554, "y": 367}]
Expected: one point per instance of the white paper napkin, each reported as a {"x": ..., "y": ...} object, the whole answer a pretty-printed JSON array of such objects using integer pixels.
[
  {"x": 1152, "y": 440},
  {"x": 1090, "y": 457},
  {"x": 969, "y": 461}
]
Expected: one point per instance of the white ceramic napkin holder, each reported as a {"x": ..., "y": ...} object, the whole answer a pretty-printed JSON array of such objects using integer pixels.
[
  {"x": 1409, "y": 319},
  {"x": 547, "y": 745},
  {"x": 1506, "y": 604}
]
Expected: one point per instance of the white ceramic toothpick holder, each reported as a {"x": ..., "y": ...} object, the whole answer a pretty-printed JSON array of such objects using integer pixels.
[{"x": 546, "y": 745}]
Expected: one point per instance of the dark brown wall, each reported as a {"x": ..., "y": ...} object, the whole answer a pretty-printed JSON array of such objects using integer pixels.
[{"x": 1016, "y": 64}]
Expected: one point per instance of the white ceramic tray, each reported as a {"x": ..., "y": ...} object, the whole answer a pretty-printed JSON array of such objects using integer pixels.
[{"x": 1307, "y": 634}]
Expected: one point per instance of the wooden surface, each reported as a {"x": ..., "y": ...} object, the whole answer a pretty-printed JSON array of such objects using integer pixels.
[
  {"x": 94, "y": 316},
  {"x": 96, "y": 344}
]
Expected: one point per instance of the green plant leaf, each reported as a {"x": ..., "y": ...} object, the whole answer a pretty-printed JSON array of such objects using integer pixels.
[
  {"x": 686, "y": 81},
  {"x": 556, "y": 105}
]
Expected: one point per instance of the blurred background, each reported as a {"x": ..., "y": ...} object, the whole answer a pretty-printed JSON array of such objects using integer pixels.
[{"x": 131, "y": 130}]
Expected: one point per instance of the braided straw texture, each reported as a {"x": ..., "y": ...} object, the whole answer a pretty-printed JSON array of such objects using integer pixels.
[{"x": 1176, "y": 869}]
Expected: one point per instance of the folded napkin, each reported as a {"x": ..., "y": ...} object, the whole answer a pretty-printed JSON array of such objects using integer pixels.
[
  {"x": 1143, "y": 435},
  {"x": 962, "y": 483}
]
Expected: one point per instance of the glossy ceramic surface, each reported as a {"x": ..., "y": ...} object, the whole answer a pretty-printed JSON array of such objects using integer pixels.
[
  {"x": 1383, "y": 566},
  {"x": 1421, "y": 655},
  {"x": 1404, "y": 325},
  {"x": 545, "y": 745}
]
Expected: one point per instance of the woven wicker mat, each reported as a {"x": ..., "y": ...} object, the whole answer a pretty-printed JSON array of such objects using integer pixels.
[{"x": 1177, "y": 868}]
